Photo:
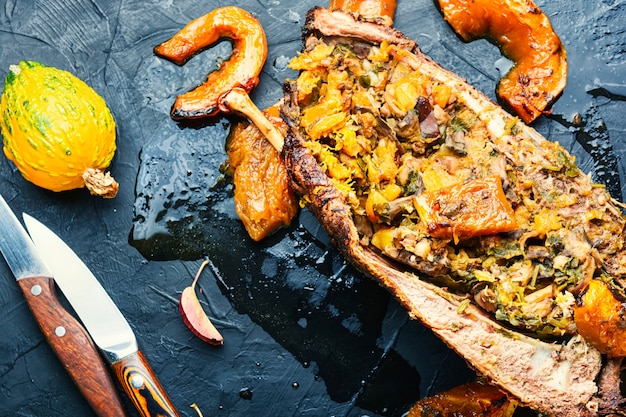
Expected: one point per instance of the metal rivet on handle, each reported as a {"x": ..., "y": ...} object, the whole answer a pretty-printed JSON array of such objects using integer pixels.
[
  {"x": 60, "y": 331},
  {"x": 35, "y": 290},
  {"x": 136, "y": 381}
]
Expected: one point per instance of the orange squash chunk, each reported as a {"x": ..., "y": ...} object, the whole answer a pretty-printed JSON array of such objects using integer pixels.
[
  {"x": 525, "y": 36},
  {"x": 601, "y": 319},
  {"x": 473, "y": 399},
  {"x": 461, "y": 211},
  {"x": 263, "y": 198}
]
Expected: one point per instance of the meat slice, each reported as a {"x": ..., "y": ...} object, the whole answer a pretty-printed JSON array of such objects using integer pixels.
[{"x": 363, "y": 152}]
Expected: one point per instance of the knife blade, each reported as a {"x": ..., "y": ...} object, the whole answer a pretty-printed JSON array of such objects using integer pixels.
[
  {"x": 104, "y": 322},
  {"x": 65, "y": 335}
]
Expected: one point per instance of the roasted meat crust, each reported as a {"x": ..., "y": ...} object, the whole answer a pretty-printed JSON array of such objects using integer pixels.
[
  {"x": 612, "y": 404},
  {"x": 555, "y": 378},
  {"x": 342, "y": 25}
]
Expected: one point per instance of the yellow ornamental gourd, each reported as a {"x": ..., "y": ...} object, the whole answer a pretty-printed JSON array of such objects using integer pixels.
[{"x": 57, "y": 130}]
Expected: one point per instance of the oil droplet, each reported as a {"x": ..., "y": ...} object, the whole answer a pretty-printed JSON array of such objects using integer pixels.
[
  {"x": 281, "y": 63},
  {"x": 245, "y": 393},
  {"x": 294, "y": 16}
]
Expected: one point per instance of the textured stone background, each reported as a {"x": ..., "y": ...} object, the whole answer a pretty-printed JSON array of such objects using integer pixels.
[{"x": 305, "y": 334}]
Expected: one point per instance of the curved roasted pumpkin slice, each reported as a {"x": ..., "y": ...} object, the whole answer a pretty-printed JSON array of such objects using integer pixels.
[
  {"x": 526, "y": 37},
  {"x": 240, "y": 71}
]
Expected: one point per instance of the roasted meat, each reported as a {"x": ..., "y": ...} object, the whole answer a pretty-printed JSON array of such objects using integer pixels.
[{"x": 487, "y": 232}]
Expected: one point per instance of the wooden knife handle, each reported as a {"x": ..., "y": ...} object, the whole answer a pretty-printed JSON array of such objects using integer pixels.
[
  {"x": 72, "y": 344},
  {"x": 142, "y": 386}
]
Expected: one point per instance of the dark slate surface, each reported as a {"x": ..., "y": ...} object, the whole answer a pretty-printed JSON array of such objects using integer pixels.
[{"x": 305, "y": 335}]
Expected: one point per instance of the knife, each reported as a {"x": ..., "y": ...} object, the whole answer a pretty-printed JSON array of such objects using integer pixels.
[
  {"x": 104, "y": 322},
  {"x": 68, "y": 339}
]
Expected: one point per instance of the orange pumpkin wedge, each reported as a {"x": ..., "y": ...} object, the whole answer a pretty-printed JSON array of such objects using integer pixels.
[{"x": 525, "y": 36}]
